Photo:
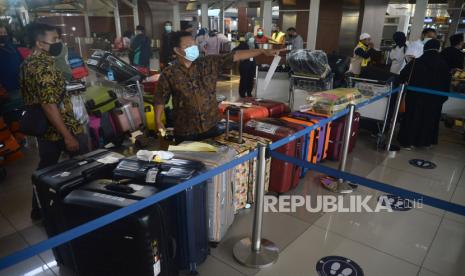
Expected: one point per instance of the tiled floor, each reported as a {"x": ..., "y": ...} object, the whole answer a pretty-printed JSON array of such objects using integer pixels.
[{"x": 423, "y": 242}]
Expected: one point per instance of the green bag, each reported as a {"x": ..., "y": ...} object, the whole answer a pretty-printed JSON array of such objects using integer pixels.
[{"x": 100, "y": 99}]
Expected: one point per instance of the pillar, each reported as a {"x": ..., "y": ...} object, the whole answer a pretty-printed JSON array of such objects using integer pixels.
[
  {"x": 176, "y": 17},
  {"x": 418, "y": 19},
  {"x": 267, "y": 17},
  {"x": 135, "y": 12},
  {"x": 373, "y": 20},
  {"x": 117, "y": 19},
  {"x": 204, "y": 13},
  {"x": 221, "y": 25},
  {"x": 312, "y": 29},
  {"x": 86, "y": 19},
  {"x": 404, "y": 21}
]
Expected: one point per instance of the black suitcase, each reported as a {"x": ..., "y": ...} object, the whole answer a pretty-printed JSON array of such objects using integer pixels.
[
  {"x": 139, "y": 244},
  {"x": 102, "y": 61},
  {"x": 52, "y": 184},
  {"x": 188, "y": 208}
]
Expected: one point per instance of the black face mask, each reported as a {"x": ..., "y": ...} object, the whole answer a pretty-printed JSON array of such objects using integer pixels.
[
  {"x": 4, "y": 39},
  {"x": 55, "y": 49}
]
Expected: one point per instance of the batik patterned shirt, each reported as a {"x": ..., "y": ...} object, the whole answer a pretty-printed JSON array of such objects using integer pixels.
[{"x": 42, "y": 83}]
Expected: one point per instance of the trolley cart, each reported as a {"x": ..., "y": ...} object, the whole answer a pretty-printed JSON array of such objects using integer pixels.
[
  {"x": 303, "y": 86},
  {"x": 377, "y": 111}
]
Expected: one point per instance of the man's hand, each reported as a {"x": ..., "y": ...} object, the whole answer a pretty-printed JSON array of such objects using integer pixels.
[
  {"x": 161, "y": 128},
  {"x": 71, "y": 144},
  {"x": 272, "y": 52}
]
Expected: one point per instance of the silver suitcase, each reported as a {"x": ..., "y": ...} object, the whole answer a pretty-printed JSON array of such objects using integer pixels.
[{"x": 220, "y": 203}]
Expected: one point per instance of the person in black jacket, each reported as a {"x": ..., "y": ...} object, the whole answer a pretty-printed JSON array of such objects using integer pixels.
[
  {"x": 141, "y": 48},
  {"x": 453, "y": 54},
  {"x": 166, "y": 53},
  {"x": 420, "y": 126},
  {"x": 247, "y": 67}
]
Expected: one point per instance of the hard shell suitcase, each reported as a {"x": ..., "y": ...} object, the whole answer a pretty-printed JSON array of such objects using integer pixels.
[
  {"x": 103, "y": 131},
  {"x": 250, "y": 112},
  {"x": 245, "y": 173},
  {"x": 327, "y": 133},
  {"x": 52, "y": 184},
  {"x": 139, "y": 244},
  {"x": 188, "y": 208},
  {"x": 220, "y": 204},
  {"x": 127, "y": 117},
  {"x": 284, "y": 176},
  {"x": 275, "y": 109},
  {"x": 150, "y": 117},
  {"x": 100, "y": 99},
  {"x": 103, "y": 62},
  {"x": 336, "y": 139},
  {"x": 310, "y": 147},
  {"x": 79, "y": 72}
]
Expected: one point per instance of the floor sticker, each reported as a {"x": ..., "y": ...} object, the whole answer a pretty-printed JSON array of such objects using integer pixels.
[
  {"x": 338, "y": 266},
  {"x": 422, "y": 164},
  {"x": 397, "y": 203}
]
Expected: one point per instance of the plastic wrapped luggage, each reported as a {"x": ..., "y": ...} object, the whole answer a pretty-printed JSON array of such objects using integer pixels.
[
  {"x": 52, "y": 184},
  {"x": 103, "y": 62},
  {"x": 139, "y": 244},
  {"x": 284, "y": 176},
  {"x": 220, "y": 204},
  {"x": 333, "y": 101},
  {"x": 312, "y": 63},
  {"x": 275, "y": 109},
  {"x": 250, "y": 111},
  {"x": 336, "y": 139},
  {"x": 100, "y": 99},
  {"x": 187, "y": 208},
  {"x": 127, "y": 117}
]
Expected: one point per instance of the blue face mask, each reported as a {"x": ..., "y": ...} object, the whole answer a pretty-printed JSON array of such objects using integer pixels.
[
  {"x": 192, "y": 53},
  {"x": 168, "y": 28}
]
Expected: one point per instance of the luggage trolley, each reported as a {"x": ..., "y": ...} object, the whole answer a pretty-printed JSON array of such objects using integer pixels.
[
  {"x": 378, "y": 110},
  {"x": 303, "y": 86}
]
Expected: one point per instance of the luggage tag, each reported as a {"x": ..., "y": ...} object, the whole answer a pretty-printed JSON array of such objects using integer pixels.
[{"x": 151, "y": 176}]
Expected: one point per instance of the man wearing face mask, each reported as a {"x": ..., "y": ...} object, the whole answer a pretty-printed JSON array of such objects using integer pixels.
[
  {"x": 415, "y": 49},
  {"x": 166, "y": 54},
  {"x": 246, "y": 67},
  {"x": 43, "y": 84},
  {"x": 294, "y": 39},
  {"x": 191, "y": 81},
  {"x": 277, "y": 37},
  {"x": 260, "y": 38},
  {"x": 9, "y": 71}
]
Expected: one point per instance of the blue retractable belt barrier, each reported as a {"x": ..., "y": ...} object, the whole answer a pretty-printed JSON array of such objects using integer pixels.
[
  {"x": 431, "y": 201},
  {"x": 118, "y": 214},
  {"x": 437, "y": 93}
]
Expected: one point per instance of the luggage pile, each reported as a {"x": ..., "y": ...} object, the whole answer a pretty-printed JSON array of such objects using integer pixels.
[
  {"x": 309, "y": 63},
  {"x": 333, "y": 101},
  {"x": 77, "y": 65}
]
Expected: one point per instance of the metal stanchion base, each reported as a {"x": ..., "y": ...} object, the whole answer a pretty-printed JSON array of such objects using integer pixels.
[{"x": 267, "y": 255}]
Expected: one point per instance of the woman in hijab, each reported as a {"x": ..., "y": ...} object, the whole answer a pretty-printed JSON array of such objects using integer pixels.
[
  {"x": 420, "y": 126},
  {"x": 247, "y": 67},
  {"x": 397, "y": 54}
]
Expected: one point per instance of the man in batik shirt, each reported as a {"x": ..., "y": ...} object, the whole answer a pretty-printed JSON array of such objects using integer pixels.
[{"x": 43, "y": 84}]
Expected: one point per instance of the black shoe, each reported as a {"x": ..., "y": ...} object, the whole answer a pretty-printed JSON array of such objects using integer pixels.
[{"x": 36, "y": 215}]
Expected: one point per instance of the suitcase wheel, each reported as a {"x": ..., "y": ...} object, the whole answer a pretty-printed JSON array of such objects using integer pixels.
[
  {"x": 112, "y": 94},
  {"x": 90, "y": 104}
]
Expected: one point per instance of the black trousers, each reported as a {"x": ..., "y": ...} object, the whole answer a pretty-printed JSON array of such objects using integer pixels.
[
  {"x": 247, "y": 73},
  {"x": 49, "y": 154}
]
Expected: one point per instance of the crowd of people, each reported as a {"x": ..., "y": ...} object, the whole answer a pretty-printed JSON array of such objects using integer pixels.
[{"x": 420, "y": 63}]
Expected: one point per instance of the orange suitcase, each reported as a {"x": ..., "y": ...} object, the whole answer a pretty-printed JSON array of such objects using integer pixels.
[{"x": 250, "y": 111}]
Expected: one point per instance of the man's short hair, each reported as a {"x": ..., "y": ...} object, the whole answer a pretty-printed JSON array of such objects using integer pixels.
[
  {"x": 456, "y": 39},
  {"x": 140, "y": 28},
  {"x": 177, "y": 36},
  {"x": 291, "y": 29},
  {"x": 35, "y": 31},
  {"x": 428, "y": 30}
]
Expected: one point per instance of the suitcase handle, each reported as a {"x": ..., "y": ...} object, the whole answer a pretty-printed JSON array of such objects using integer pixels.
[
  {"x": 240, "y": 140},
  {"x": 120, "y": 187}
]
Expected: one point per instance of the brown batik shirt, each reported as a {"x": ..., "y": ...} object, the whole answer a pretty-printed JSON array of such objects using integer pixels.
[{"x": 193, "y": 89}]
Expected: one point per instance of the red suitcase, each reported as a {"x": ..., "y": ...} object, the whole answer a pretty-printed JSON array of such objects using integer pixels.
[
  {"x": 250, "y": 112},
  {"x": 336, "y": 138},
  {"x": 284, "y": 176},
  {"x": 275, "y": 109}
]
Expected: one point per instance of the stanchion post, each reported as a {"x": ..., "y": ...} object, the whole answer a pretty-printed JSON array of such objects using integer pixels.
[
  {"x": 347, "y": 135},
  {"x": 394, "y": 118},
  {"x": 257, "y": 252},
  {"x": 140, "y": 93}
]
